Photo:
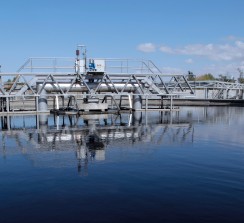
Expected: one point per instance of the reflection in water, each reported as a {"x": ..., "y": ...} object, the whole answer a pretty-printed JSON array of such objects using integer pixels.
[
  {"x": 184, "y": 166},
  {"x": 90, "y": 135}
]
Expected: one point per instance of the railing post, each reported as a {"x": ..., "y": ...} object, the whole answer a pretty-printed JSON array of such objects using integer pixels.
[{"x": 7, "y": 104}]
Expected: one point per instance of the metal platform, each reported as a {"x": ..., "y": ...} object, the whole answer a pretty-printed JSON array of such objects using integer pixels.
[{"x": 44, "y": 84}]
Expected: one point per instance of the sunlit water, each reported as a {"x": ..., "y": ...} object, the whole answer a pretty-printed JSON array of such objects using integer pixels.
[{"x": 187, "y": 166}]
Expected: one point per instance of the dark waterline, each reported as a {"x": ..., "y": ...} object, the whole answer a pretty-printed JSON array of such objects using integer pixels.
[{"x": 187, "y": 166}]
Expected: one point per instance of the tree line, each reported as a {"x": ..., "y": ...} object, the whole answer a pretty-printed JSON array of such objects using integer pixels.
[{"x": 210, "y": 77}]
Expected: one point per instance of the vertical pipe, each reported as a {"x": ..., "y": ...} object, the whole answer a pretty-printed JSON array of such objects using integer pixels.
[
  {"x": 57, "y": 102},
  {"x": 36, "y": 99},
  {"x": 130, "y": 103},
  {"x": 37, "y": 122},
  {"x": 130, "y": 118}
]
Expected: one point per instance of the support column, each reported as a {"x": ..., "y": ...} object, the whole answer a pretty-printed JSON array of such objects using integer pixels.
[
  {"x": 57, "y": 102},
  {"x": 42, "y": 100},
  {"x": 206, "y": 93},
  {"x": 130, "y": 103},
  {"x": 137, "y": 101},
  {"x": 225, "y": 93},
  {"x": 42, "y": 107},
  {"x": 242, "y": 94},
  {"x": 7, "y": 104},
  {"x": 3, "y": 104},
  {"x": 237, "y": 94}
]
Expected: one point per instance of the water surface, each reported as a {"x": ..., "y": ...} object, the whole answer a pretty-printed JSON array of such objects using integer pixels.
[{"x": 185, "y": 166}]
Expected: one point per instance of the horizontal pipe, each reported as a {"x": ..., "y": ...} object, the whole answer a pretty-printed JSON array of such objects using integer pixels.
[{"x": 82, "y": 88}]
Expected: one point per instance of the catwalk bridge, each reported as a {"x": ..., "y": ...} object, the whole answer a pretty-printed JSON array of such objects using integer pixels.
[{"x": 83, "y": 84}]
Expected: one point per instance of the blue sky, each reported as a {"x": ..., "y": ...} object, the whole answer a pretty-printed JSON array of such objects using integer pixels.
[{"x": 204, "y": 36}]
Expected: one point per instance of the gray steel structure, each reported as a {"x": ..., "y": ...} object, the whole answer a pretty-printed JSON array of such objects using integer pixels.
[
  {"x": 44, "y": 83},
  {"x": 218, "y": 90},
  {"x": 70, "y": 79}
]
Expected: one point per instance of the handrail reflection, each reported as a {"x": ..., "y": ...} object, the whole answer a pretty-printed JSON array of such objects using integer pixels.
[{"x": 90, "y": 135}]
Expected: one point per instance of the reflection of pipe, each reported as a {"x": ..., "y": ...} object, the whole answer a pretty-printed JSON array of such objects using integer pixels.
[
  {"x": 81, "y": 153},
  {"x": 4, "y": 122},
  {"x": 43, "y": 120},
  {"x": 137, "y": 118},
  {"x": 137, "y": 101},
  {"x": 100, "y": 154}
]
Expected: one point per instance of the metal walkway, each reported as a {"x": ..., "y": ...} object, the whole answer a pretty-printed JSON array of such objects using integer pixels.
[
  {"x": 41, "y": 84},
  {"x": 44, "y": 84},
  {"x": 218, "y": 90}
]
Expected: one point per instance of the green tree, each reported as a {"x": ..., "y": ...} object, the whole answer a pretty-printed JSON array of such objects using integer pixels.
[{"x": 205, "y": 77}]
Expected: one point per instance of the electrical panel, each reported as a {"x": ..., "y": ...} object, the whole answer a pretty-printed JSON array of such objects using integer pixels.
[
  {"x": 99, "y": 65},
  {"x": 94, "y": 65}
]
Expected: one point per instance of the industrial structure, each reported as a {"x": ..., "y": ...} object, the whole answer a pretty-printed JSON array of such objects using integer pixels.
[
  {"x": 85, "y": 84},
  {"x": 81, "y": 84}
]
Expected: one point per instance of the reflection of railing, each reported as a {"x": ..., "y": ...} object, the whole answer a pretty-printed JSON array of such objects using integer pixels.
[{"x": 89, "y": 136}]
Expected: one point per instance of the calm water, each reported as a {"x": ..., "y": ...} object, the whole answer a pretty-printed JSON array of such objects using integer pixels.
[{"x": 142, "y": 167}]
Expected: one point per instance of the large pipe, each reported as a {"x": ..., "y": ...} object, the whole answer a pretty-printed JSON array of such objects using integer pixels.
[
  {"x": 137, "y": 99},
  {"x": 82, "y": 88}
]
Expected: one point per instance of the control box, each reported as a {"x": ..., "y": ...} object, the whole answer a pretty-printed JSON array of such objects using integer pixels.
[
  {"x": 94, "y": 65},
  {"x": 99, "y": 65}
]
